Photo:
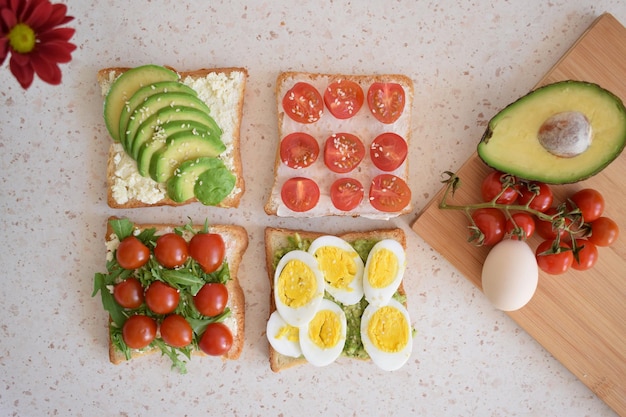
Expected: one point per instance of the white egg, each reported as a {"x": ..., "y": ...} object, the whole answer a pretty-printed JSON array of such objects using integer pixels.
[
  {"x": 383, "y": 272},
  {"x": 386, "y": 335},
  {"x": 298, "y": 287},
  {"x": 284, "y": 338},
  {"x": 322, "y": 339},
  {"x": 510, "y": 275},
  {"x": 342, "y": 268}
]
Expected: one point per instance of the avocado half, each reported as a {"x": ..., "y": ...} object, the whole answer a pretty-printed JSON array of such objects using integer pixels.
[{"x": 512, "y": 143}]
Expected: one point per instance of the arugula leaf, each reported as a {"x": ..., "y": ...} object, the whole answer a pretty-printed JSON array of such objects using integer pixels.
[
  {"x": 101, "y": 283},
  {"x": 199, "y": 324},
  {"x": 182, "y": 279},
  {"x": 122, "y": 228},
  {"x": 172, "y": 353}
]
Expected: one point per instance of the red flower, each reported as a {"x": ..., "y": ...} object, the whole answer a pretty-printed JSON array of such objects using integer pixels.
[{"x": 30, "y": 32}]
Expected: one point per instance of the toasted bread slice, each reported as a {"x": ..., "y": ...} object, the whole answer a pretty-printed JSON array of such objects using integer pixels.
[
  {"x": 278, "y": 238},
  {"x": 223, "y": 91},
  {"x": 236, "y": 243}
]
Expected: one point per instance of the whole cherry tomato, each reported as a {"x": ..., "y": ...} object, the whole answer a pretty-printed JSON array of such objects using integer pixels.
[
  {"x": 128, "y": 293},
  {"x": 587, "y": 255},
  {"x": 554, "y": 263},
  {"x": 171, "y": 250},
  {"x": 216, "y": 340},
  {"x": 211, "y": 300},
  {"x": 544, "y": 228},
  {"x": 491, "y": 222},
  {"x": 176, "y": 331},
  {"x": 604, "y": 231},
  {"x": 521, "y": 226},
  {"x": 590, "y": 202},
  {"x": 139, "y": 331},
  {"x": 538, "y": 193},
  {"x": 208, "y": 249},
  {"x": 493, "y": 184},
  {"x": 132, "y": 253},
  {"x": 161, "y": 298}
]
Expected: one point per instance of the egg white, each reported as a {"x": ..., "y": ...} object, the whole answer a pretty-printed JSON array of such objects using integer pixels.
[
  {"x": 381, "y": 296},
  {"x": 388, "y": 361},
  {"x": 282, "y": 345},
  {"x": 354, "y": 292},
  {"x": 301, "y": 315},
  {"x": 316, "y": 355}
]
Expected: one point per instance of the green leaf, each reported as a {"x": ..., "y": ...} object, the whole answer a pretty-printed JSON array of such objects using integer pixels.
[
  {"x": 180, "y": 278},
  {"x": 199, "y": 324},
  {"x": 172, "y": 353},
  {"x": 122, "y": 228}
]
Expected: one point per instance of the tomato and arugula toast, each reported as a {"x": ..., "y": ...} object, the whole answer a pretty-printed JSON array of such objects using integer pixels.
[
  {"x": 173, "y": 290},
  {"x": 343, "y": 145}
]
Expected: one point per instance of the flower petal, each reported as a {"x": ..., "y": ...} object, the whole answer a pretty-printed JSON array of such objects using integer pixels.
[
  {"x": 46, "y": 70},
  {"x": 56, "y": 51},
  {"x": 39, "y": 16},
  {"x": 8, "y": 17},
  {"x": 4, "y": 49},
  {"x": 58, "y": 34},
  {"x": 23, "y": 74}
]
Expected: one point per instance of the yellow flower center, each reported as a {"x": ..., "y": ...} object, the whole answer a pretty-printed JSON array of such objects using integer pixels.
[{"x": 22, "y": 38}]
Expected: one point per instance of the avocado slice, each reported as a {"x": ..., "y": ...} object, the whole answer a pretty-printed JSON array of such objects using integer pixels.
[
  {"x": 214, "y": 184},
  {"x": 125, "y": 86},
  {"x": 180, "y": 187},
  {"x": 530, "y": 138}
]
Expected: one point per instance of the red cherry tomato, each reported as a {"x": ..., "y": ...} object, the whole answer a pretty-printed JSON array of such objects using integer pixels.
[
  {"x": 128, "y": 293},
  {"x": 299, "y": 150},
  {"x": 389, "y": 193},
  {"x": 386, "y": 101},
  {"x": 346, "y": 194},
  {"x": 176, "y": 331},
  {"x": 161, "y": 298},
  {"x": 388, "y": 151},
  {"x": 216, "y": 340},
  {"x": 300, "y": 194},
  {"x": 587, "y": 255},
  {"x": 208, "y": 249},
  {"x": 525, "y": 226},
  {"x": 139, "y": 331},
  {"x": 545, "y": 230},
  {"x": 171, "y": 250},
  {"x": 540, "y": 200},
  {"x": 344, "y": 98},
  {"x": 303, "y": 103},
  {"x": 212, "y": 298},
  {"x": 604, "y": 231},
  {"x": 343, "y": 152},
  {"x": 590, "y": 202},
  {"x": 554, "y": 263},
  {"x": 493, "y": 184},
  {"x": 132, "y": 253},
  {"x": 491, "y": 222}
]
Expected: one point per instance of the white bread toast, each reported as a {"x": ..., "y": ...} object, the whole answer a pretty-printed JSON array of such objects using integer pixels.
[
  {"x": 277, "y": 239},
  {"x": 362, "y": 124},
  {"x": 224, "y": 94},
  {"x": 236, "y": 243}
]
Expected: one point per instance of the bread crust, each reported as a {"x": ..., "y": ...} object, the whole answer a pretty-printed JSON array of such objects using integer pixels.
[
  {"x": 236, "y": 239},
  {"x": 277, "y": 238},
  {"x": 104, "y": 76}
]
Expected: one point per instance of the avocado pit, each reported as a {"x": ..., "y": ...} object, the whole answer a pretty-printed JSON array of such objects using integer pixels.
[{"x": 566, "y": 134}]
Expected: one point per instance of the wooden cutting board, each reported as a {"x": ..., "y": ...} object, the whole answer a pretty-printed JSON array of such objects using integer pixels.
[{"x": 579, "y": 317}]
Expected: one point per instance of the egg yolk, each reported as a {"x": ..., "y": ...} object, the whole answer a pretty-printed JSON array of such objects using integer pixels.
[
  {"x": 388, "y": 329},
  {"x": 288, "y": 332},
  {"x": 325, "y": 329},
  {"x": 382, "y": 268},
  {"x": 337, "y": 265},
  {"x": 296, "y": 284}
]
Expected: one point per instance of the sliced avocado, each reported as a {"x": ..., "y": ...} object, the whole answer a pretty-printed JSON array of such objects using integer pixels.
[
  {"x": 180, "y": 187},
  {"x": 146, "y": 151},
  {"x": 125, "y": 86},
  {"x": 560, "y": 133},
  {"x": 180, "y": 147},
  {"x": 141, "y": 95},
  {"x": 169, "y": 115},
  {"x": 214, "y": 184}
]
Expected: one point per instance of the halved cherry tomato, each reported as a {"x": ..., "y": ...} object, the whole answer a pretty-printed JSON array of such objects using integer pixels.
[
  {"x": 538, "y": 193},
  {"x": 587, "y": 255},
  {"x": 493, "y": 184},
  {"x": 132, "y": 253},
  {"x": 346, "y": 194},
  {"x": 128, "y": 293},
  {"x": 176, "y": 331},
  {"x": 161, "y": 298},
  {"x": 520, "y": 225},
  {"x": 554, "y": 263},
  {"x": 388, "y": 151},
  {"x": 208, "y": 249},
  {"x": 590, "y": 202},
  {"x": 343, "y": 152},
  {"x": 299, "y": 150},
  {"x": 216, "y": 340},
  {"x": 491, "y": 223},
  {"x": 604, "y": 231},
  {"x": 343, "y": 98},
  {"x": 171, "y": 250},
  {"x": 303, "y": 103},
  {"x": 300, "y": 194},
  {"x": 386, "y": 101},
  {"x": 544, "y": 228},
  {"x": 389, "y": 193},
  {"x": 139, "y": 331},
  {"x": 212, "y": 298}
]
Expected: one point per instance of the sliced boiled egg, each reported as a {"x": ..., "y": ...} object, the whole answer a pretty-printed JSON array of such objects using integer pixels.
[
  {"x": 386, "y": 335},
  {"x": 283, "y": 337},
  {"x": 341, "y": 266},
  {"x": 383, "y": 272},
  {"x": 298, "y": 287},
  {"x": 322, "y": 339}
]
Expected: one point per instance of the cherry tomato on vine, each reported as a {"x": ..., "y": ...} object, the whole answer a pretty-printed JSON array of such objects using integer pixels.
[
  {"x": 176, "y": 331},
  {"x": 492, "y": 185},
  {"x": 389, "y": 193},
  {"x": 303, "y": 103},
  {"x": 491, "y": 222},
  {"x": 587, "y": 255},
  {"x": 128, "y": 293},
  {"x": 343, "y": 152},
  {"x": 139, "y": 331},
  {"x": 346, "y": 193},
  {"x": 344, "y": 98},
  {"x": 211, "y": 300},
  {"x": 545, "y": 230},
  {"x": 132, "y": 253},
  {"x": 300, "y": 194},
  {"x": 216, "y": 340},
  {"x": 299, "y": 150},
  {"x": 604, "y": 231},
  {"x": 554, "y": 263},
  {"x": 208, "y": 250},
  {"x": 590, "y": 202},
  {"x": 541, "y": 201},
  {"x": 388, "y": 151},
  {"x": 525, "y": 224},
  {"x": 386, "y": 101},
  {"x": 161, "y": 298},
  {"x": 171, "y": 250}
]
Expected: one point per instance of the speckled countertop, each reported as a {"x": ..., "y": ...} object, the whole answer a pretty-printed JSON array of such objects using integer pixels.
[{"x": 467, "y": 60}]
